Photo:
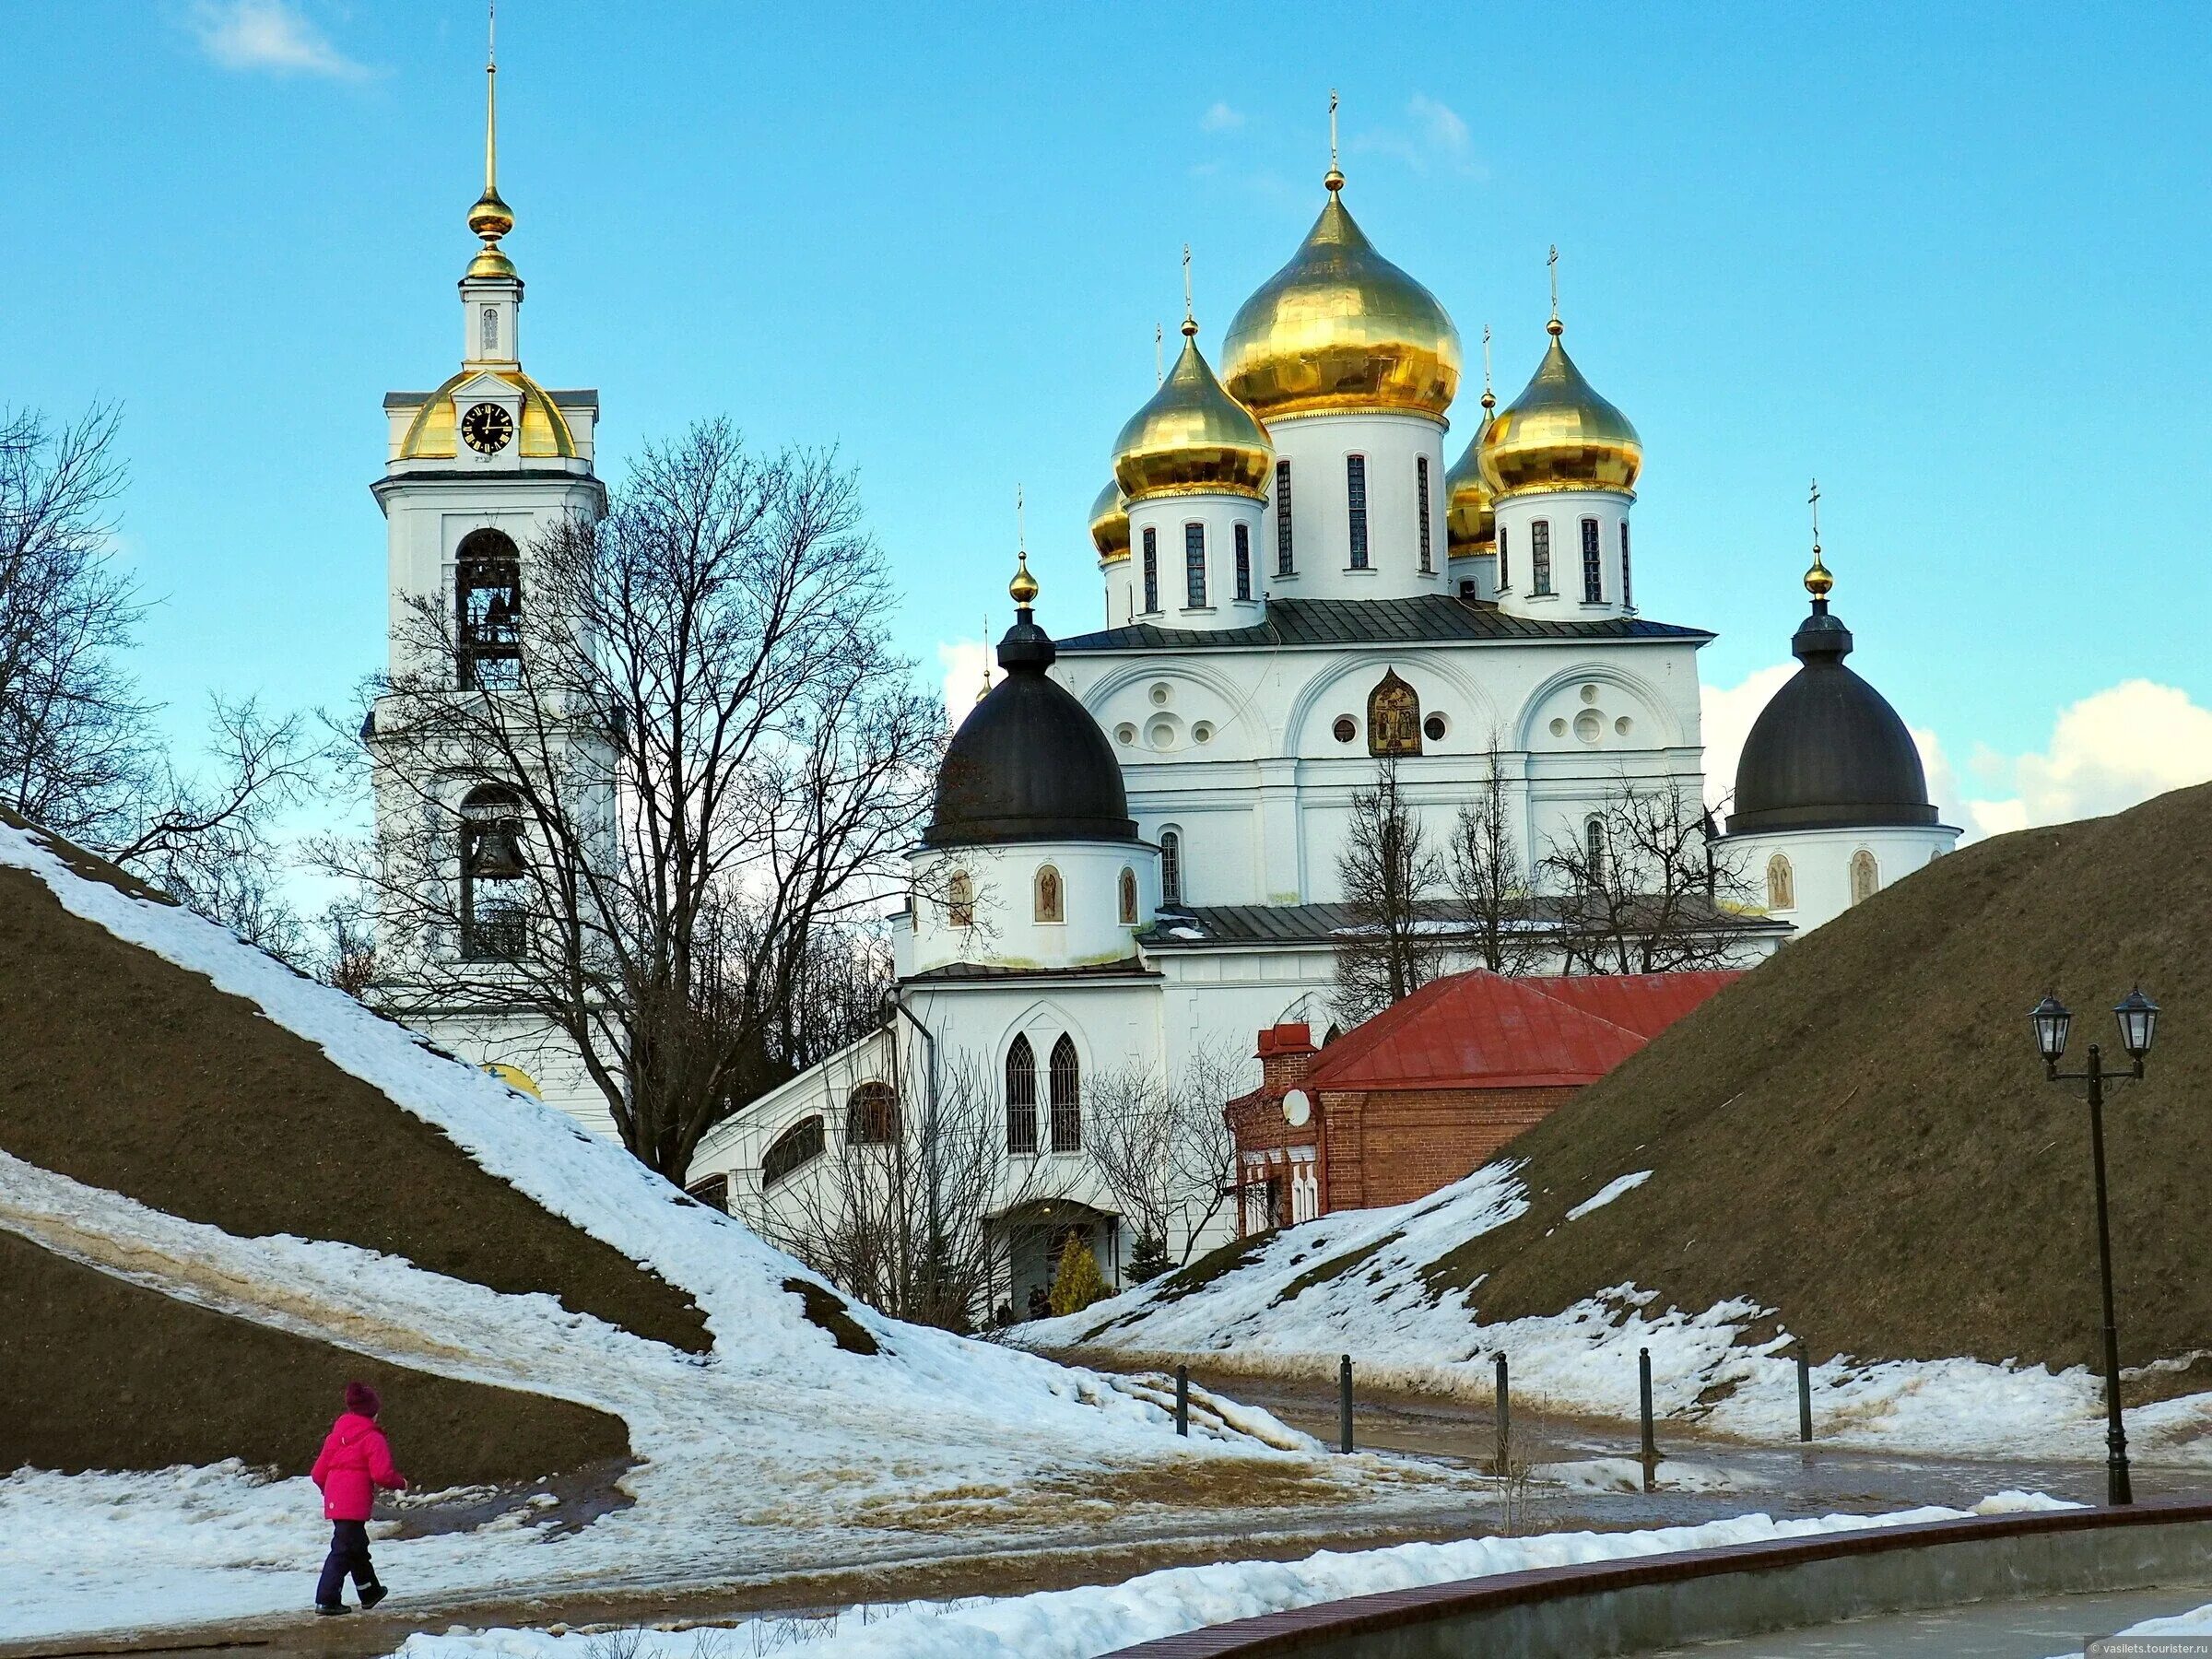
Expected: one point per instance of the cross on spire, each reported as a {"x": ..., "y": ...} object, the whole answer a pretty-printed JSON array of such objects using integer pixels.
[
  {"x": 1488, "y": 399},
  {"x": 1159, "y": 370},
  {"x": 1334, "y": 179},
  {"x": 1552, "y": 260},
  {"x": 1813, "y": 501},
  {"x": 1190, "y": 322}
]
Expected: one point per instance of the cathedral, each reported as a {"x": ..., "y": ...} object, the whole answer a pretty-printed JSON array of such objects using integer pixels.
[{"x": 1306, "y": 573}]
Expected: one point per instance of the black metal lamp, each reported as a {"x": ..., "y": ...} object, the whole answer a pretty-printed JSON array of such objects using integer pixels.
[
  {"x": 2051, "y": 1019},
  {"x": 2138, "y": 1018}
]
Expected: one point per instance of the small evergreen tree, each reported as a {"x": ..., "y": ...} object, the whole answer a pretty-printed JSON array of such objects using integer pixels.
[
  {"x": 1150, "y": 1259},
  {"x": 1077, "y": 1282}
]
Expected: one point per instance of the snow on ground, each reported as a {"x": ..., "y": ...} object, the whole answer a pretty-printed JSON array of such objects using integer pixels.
[
  {"x": 1352, "y": 1283},
  {"x": 1083, "y": 1623},
  {"x": 1606, "y": 1194},
  {"x": 776, "y": 1451},
  {"x": 2148, "y": 1636}
]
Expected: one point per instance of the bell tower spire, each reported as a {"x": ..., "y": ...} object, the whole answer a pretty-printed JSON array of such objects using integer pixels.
[{"x": 491, "y": 289}]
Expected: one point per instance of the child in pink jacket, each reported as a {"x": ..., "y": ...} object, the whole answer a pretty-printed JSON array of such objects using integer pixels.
[{"x": 356, "y": 1460}]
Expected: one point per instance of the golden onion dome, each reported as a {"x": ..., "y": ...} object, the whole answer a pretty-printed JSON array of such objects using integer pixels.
[
  {"x": 545, "y": 434},
  {"x": 1109, "y": 523},
  {"x": 1340, "y": 327},
  {"x": 1818, "y": 583},
  {"x": 1558, "y": 434},
  {"x": 1470, "y": 515},
  {"x": 1193, "y": 438},
  {"x": 1023, "y": 589}
]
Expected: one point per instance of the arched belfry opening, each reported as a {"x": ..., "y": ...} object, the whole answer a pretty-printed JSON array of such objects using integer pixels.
[{"x": 488, "y": 584}]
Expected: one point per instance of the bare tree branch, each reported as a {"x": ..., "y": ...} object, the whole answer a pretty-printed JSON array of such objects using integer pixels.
[
  {"x": 1643, "y": 889},
  {"x": 1388, "y": 873}
]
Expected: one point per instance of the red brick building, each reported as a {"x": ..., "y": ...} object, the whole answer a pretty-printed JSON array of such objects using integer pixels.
[{"x": 1428, "y": 1090}]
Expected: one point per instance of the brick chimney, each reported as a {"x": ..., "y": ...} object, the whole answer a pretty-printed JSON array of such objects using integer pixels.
[{"x": 1286, "y": 1056}]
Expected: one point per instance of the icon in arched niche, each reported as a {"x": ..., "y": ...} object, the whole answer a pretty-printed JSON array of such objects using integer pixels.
[{"x": 1394, "y": 717}]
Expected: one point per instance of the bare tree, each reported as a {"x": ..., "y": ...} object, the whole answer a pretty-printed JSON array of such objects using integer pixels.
[
  {"x": 1163, "y": 1149},
  {"x": 1494, "y": 902},
  {"x": 346, "y": 960},
  {"x": 1389, "y": 873},
  {"x": 642, "y": 810},
  {"x": 1643, "y": 889}
]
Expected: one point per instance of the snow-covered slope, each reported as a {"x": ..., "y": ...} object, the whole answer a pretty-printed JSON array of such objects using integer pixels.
[{"x": 779, "y": 1447}]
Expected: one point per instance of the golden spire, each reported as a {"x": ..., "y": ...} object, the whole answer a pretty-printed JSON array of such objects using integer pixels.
[
  {"x": 1023, "y": 588},
  {"x": 1490, "y": 398},
  {"x": 1333, "y": 178},
  {"x": 490, "y": 218},
  {"x": 1818, "y": 581},
  {"x": 1555, "y": 327},
  {"x": 1190, "y": 323}
]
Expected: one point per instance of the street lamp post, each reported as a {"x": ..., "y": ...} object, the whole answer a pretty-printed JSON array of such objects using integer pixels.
[{"x": 2138, "y": 1018}]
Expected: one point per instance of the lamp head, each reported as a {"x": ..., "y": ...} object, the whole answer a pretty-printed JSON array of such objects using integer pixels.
[
  {"x": 2138, "y": 1018},
  {"x": 2050, "y": 1021}
]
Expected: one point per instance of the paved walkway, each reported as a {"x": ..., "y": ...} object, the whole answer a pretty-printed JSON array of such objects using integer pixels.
[{"x": 2057, "y": 1625}]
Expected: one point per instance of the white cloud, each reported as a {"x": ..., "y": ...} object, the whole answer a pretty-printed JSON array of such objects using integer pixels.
[
  {"x": 2109, "y": 751},
  {"x": 964, "y": 661},
  {"x": 1726, "y": 715},
  {"x": 1437, "y": 138},
  {"x": 1439, "y": 124},
  {"x": 268, "y": 36},
  {"x": 1220, "y": 118}
]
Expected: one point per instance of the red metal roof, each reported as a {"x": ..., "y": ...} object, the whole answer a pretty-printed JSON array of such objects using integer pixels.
[{"x": 1480, "y": 1031}]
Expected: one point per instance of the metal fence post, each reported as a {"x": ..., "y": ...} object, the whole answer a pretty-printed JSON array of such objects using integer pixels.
[
  {"x": 1343, "y": 1404},
  {"x": 1651, "y": 1442},
  {"x": 1182, "y": 1399},
  {"x": 1505, "y": 1417},
  {"x": 1804, "y": 1394}
]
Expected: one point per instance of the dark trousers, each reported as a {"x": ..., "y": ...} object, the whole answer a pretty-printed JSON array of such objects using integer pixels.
[{"x": 348, "y": 1553}]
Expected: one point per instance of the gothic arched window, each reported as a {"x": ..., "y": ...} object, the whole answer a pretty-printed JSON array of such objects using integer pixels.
[
  {"x": 1782, "y": 884},
  {"x": 488, "y": 584},
  {"x": 1128, "y": 897},
  {"x": 495, "y": 887},
  {"x": 871, "y": 1115},
  {"x": 1170, "y": 866},
  {"x": 1051, "y": 898},
  {"x": 1865, "y": 877},
  {"x": 1067, "y": 1079},
  {"x": 959, "y": 899},
  {"x": 1021, "y": 1097}
]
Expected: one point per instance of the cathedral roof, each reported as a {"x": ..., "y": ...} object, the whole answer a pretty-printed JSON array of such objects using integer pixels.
[
  {"x": 1192, "y": 438},
  {"x": 1827, "y": 751},
  {"x": 1424, "y": 619}
]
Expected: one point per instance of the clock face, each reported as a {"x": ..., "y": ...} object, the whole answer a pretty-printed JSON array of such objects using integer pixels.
[{"x": 487, "y": 429}]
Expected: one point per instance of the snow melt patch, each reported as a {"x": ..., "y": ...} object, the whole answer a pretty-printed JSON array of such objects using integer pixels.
[
  {"x": 1606, "y": 1194},
  {"x": 1096, "y": 1619}
]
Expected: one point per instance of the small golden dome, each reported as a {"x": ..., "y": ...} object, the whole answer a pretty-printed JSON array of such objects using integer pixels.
[
  {"x": 1193, "y": 438},
  {"x": 1470, "y": 515},
  {"x": 1023, "y": 588},
  {"x": 1340, "y": 327},
  {"x": 490, "y": 218},
  {"x": 1109, "y": 523},
  {"x": 1817, "y": 580},
  {"x": 1558, "y": 434}
]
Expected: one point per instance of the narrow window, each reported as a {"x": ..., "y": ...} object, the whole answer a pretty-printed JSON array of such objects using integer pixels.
[
  {"x": 1593, "y": 850},
  {"x": 1171, "y": 867},
  {"x": 1628, "y": 594},
  {"x": 1505, "y": 574},
  {"x": 1593, "y": 583},
  {"x": 1066, "y": 1082},
  {"x": 1782, "y": 884},
  {"x": 1194, "y": 566},
  {"x": 488, "y": 334},
  {"x": 1243, "y": 561},
  {"x": 1048, "y": 895},
  {"x": 959, "y": 899},
  {"x": 713, "y": 1191},
  {"x": 871, "y": 1115},
  {"x": 1355, "y": 502},
  {"x": 1282, "y": 518},
  {"x": 488, "y": 581},
  {"x": 1128, "y": 897},
  {"x": 495, "y": 886},
  {"x": 1539, "y": 557},
  {"x": 1865, "y": 877},
  {"x": 1151, "y": 570},
  {"x": 794, "y": 1149},
  {"x": 1420, "y": 481},
  {"x": 1021, "y": 1097}
]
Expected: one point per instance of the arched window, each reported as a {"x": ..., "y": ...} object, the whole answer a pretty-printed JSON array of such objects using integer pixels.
[
  {"x": 1128, "y": 897},
  {"x": 1282, "y": 518},
  {"x": 1628, "y": 591},
  {"x": 1865, "y": 877},
  {"x": 1194, "y": 566},
  {"x": 487, "y": 583},
  {"x": 1539, "y": 557},
  {"x": 1354, "y": 507},
  {"x": 1593, "y": 575},
  {"x": 1331, "y": 1035},
  {"x": 1243, "y": 561},
  {"x": 791, "y": 1152},
  {"x": 1151, "y": 569},
  {"x": 1505, "y": 569},
  {"x": 1050, "y": 905},
  {"x": 871, "y": 1115},
  {"x": 495, "y": 885},
  {"x": 1782, "y": 884},
  {"x": 1021, "y": 1097},
  {"x": 959, "y": 899},
  {"x": 1066, "y": 1081},
  {"x": 1593, "y": 850},
  {"x": 1170, "y": 866},
  {"x": 1420, "y": 483},
  {"x": 487, "y": 334}
]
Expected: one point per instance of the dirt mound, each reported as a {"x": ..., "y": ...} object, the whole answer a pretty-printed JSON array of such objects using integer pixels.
[
  {"x": 123, "y": 1070},
  {"x": 152, "y": 1382},
  {"x": 1859, "y": 1135}
]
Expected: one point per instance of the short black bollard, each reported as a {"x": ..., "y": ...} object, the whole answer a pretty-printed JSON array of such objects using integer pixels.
[
  {"x": 1804, "y": 1394},
  {"x": 1343, "y": 1404},
  {"x": 1505, "y": 1418},
  {"x": 1651, "y": 1442},
  {"x": 1182, "y": 1399}
]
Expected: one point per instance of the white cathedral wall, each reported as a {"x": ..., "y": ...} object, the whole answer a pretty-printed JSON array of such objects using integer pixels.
[
  {"x": 1006, "y": 929},
  {"x": 1317, "y": 447},
  {"x": 1564, "y": 511},
  {"x": 1820, "y": 864},
  {"x": 1167, "y": 517}
]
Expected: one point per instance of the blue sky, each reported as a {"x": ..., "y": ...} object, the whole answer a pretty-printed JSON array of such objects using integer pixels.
[{"x": 1948, "y": 258}]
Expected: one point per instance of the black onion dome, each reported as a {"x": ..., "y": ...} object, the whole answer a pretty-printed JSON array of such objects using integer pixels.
[
  {"x": 1828, "y": 752},
  {"x": 1028, "y": 763}
]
